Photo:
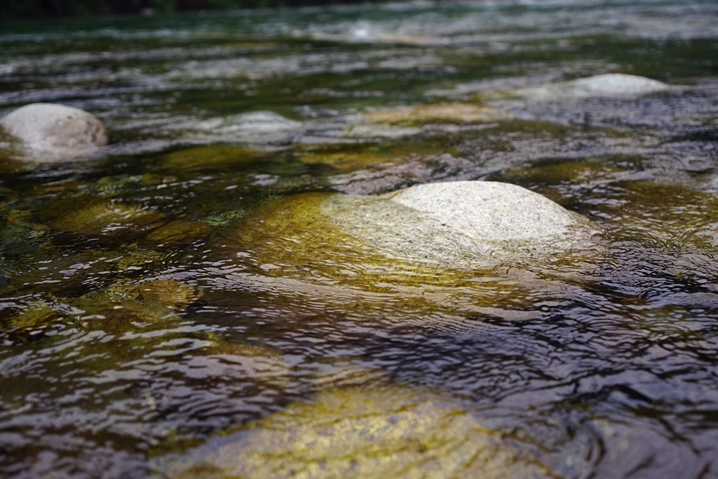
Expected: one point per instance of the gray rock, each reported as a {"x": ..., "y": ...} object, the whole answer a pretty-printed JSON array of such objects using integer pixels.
[
  {"x": 50, "y": 132},
  {"x": 607, "y": 85},
  {"x": 462, "y": 223}
]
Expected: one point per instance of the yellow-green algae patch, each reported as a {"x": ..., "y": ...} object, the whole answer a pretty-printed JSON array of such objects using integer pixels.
[
  {"x": 211, "y": 157},
  {"x": 146, "y": 302},
  {"x": 437, "y": 113},
  {"x": 105, "y": 218},
  {"x": 380, "y": 433},
  {"x": 37, "y": 315},
  {"x": 345, "y": 161},
  {"x": 178, "y": 233}
]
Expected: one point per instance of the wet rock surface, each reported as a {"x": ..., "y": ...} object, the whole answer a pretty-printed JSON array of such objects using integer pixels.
[
  {"x": 231, "y": 265},
  {"x": 437, "y": 113},
  {"x": 50, "y": 132},
  {"x": 355, "y": 433},
  {"x": 617, "y": 85},
  {"x": 456, "y": 225}
]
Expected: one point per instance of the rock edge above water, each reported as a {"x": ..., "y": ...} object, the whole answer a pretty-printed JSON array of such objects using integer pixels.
[
  {"x": 50, "y": 132},
  {"x": 469, "y": 223},
  {"x": 616, "y": 85}
]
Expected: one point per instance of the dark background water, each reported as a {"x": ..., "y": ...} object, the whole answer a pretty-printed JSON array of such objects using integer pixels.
[{"x": 606, "y": 369}]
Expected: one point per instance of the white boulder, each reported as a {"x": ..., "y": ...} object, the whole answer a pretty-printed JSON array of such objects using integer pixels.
[
  {"x": 51, "y": 132},
  {"x": 459, "y": 224},
  {"x": 607, "y": 85}
]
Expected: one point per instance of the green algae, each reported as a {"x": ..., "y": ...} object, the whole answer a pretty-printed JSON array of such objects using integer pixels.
[
  {"x": 371, "y": 433},
  {"x": 178, "y": 233},
  {"x": 148, "y": 302},
  {"x": 109, "y": 219},
  {"x": 345, "y": 161},
  {"x": 437, "y": 113},
  {"x": 208, "y": 157}
]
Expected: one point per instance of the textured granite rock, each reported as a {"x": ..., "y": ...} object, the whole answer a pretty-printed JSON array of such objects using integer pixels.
[{"x": 462, "y": 223}]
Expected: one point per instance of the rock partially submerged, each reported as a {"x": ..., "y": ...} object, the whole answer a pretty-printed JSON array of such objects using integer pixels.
[
  {"x": 606, "y": 85},
  {"x": 437, "y": 113},
  {"x": 50, "y": 132},
  {"x": 392, "y": 432},
  {"x": 419, "y": 251},
  {"x": 459, "y": 225}
]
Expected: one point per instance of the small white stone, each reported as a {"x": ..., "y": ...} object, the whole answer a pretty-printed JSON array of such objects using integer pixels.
[{"x": 50, "y": 132}]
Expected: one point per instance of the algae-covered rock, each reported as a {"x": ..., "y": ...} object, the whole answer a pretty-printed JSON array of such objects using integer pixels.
[
  {"x": 345, "y": 161},
  {"x": 455, "y": 225},
  {"x": 438, "y": 113},
  {"x": 52, "y": 132},
  {"x": 197, "y": 158},
  {"x": 36, "y": 315},
  {"x": 444, "y": 252},
  {"x": 109, "y": 219},
  {"x": 382, "y": 433},
  {"x": 607, "y": 85},
  {"x": 178, "y": 233},
  {"x": 148, "y": 302}
]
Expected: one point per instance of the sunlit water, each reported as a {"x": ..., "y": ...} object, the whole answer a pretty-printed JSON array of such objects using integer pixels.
[{"x": 155, "y": 312}]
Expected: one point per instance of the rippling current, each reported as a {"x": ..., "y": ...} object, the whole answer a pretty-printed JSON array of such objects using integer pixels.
[{"x": 159, "y": 318}]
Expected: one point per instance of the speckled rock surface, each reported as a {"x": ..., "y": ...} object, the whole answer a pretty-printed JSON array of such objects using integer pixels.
[
  {"x": 50, "y": 132},
  {"x": 607, "y": 85},
  {"x": 459, "y": 224}
]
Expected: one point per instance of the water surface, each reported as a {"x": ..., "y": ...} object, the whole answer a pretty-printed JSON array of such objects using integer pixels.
[{"x": 149, "y": 317}]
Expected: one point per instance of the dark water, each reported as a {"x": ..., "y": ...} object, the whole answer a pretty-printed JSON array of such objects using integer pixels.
[{"x": 150, "y": 313}]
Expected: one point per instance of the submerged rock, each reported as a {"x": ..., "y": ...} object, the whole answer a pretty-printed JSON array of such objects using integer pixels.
[
  {"x": 50, "y": 132},
  {"x": 607, "y": 85},
  {"x": 147, "y": 302},
  {"x": 387, "y": 432},
  {"x": 178, "y": 233},
  {"x": 254, "y": 127},
  {"x": 438, "y": 113},
  {"x": 109, "y": 219},
  {"x": 208, "y": 157}
]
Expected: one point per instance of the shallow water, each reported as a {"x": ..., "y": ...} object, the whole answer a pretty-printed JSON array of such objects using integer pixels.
[{"x": 159, "y": 313}]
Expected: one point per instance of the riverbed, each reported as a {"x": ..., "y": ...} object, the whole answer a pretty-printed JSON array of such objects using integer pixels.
[{"x": 163, "y": 312}]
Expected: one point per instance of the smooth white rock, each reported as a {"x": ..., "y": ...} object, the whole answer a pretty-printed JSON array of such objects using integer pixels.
[
  {"x": 460, "y": 224},
  {"x": 51, "y": 132},
  {"x": 607, "y": 85}
]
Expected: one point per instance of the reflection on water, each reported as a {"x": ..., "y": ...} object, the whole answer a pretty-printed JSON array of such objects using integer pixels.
[{"x": 158, "y": 317}]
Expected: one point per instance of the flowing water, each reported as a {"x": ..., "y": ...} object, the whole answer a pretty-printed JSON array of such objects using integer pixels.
[{"x": 168, "y": 310}]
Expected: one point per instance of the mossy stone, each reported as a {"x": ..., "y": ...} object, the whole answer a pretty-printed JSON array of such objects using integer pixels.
[
  {"x": 386, "y": 432},
  {"x": 343, "y": 162},
  {"x": 373, "y": 256},
  {"x": 178, "y": 233},
  {"x": 208, "y": 157},
  {"x": 437, "y": 113},
  {"x": 109, "y": 219},
  {"x": 150, "y": 301}
]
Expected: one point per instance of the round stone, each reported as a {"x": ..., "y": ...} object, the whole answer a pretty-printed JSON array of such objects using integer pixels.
[
  {"x": 50, "y": 132},
  {"x": 616, "y": 85}
]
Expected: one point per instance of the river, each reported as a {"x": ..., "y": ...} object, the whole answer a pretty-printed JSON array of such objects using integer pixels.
[{"x": 160, "y": 318}]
